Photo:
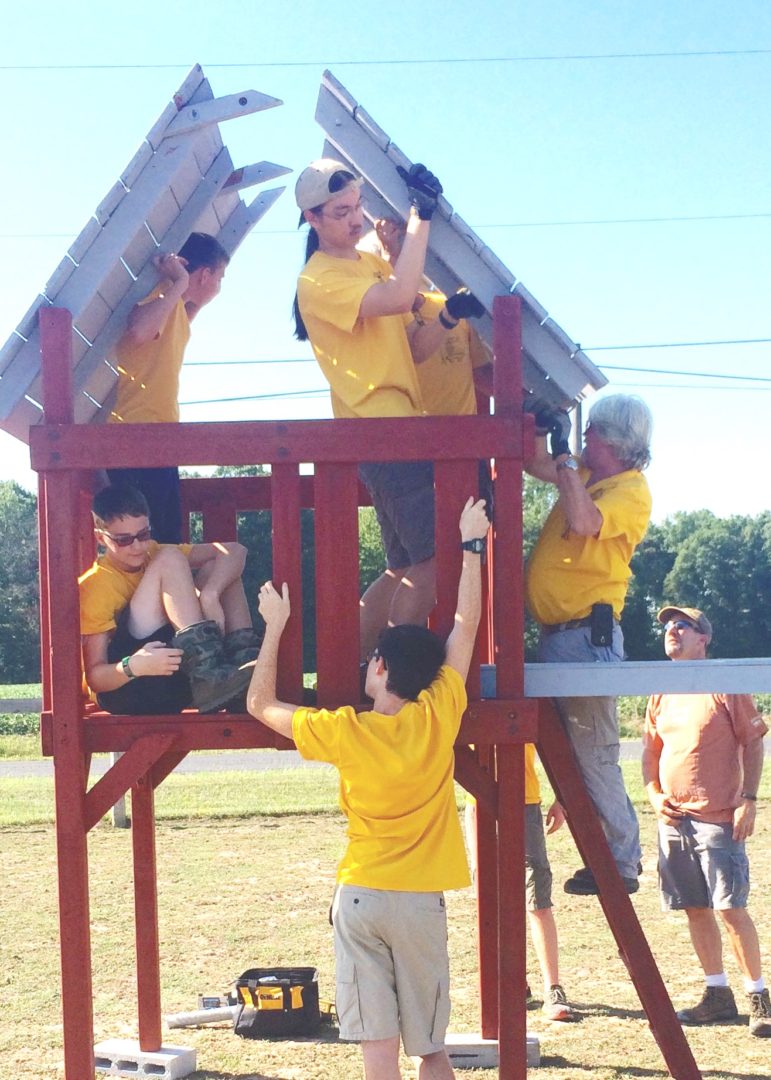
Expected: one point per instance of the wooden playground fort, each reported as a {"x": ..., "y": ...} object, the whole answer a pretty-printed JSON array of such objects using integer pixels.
[
  {"x": 62, "y": 452},
  {"x": 54, "y": 401}
]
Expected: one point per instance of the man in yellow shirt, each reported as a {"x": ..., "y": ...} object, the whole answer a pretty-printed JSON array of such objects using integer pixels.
[
  {"x": 576, "y": 583},
  {"x": 354, "y": 308},
  {"x": 405, "y": 844},
  {"x": 149, "y": 357}
]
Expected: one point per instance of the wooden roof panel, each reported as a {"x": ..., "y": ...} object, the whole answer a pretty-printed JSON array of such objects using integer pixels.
[{"x": 172, "y": 185}]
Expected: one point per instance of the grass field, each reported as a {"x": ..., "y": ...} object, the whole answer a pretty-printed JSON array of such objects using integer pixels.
[{"x": 246, "y": 871}]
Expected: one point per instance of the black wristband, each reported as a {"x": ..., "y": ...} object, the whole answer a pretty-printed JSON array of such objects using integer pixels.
[
  {"x": 750, "y": 798},
  {"x": 446, "y": 322}
]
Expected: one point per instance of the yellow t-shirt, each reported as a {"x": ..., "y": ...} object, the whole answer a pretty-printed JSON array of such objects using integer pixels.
[
  {"x": 568, "y": 573},
  {"x": 447, "y": 377},
  {"x": 367, "y": 362},
  {"x": 106, "y": 589},
  {"x": 396, "y": 788},
  {"x": 148, "y": 375}
]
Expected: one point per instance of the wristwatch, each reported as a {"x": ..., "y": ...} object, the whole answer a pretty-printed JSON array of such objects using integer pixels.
[
  {"x": 568, "y": 463},
  {"x": 478, "y": 546}
]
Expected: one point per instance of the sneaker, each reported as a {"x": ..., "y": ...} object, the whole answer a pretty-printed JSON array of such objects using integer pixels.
[
  {"x": 717, "y": 1003},
  {"x": 556, "y": 1007},
  {"x": 585, "y": 872},
  {"x": 760, "y": 1014},
  {"x": 582, "y": 883}
]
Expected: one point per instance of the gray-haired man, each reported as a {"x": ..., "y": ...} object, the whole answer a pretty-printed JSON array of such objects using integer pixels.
[{"x": 577, "y": 579}]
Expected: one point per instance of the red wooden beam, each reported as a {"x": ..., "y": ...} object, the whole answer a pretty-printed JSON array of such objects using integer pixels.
[
  {"x": 134, "y": 763},
  {"x": 62, "y": 666},
  {"x": 286, "y": 501},
  {"x": 512, "y": 929},
  {"x": 337, "y": 584},
  {"x": 146, "y": 914},
  {"x": 558, "y": 759},
  {"x": 67, "y": 446}
]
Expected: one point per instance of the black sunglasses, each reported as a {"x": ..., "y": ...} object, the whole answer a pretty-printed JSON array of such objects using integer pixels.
[{"x": 127, "y": 539}]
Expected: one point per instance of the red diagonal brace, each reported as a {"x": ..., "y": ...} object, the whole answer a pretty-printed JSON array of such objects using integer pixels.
[{"x": 558, "y": 759}]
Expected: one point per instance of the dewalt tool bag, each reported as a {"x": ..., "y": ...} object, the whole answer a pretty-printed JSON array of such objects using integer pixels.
[{"x": 276, "y": 1002}]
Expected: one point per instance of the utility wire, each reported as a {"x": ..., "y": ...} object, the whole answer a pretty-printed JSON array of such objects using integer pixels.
[
  {"x": 674, "y": 218},
  {"x": 676, "y": 344},
  {"x": 543, "y": 58},
  {"x": 690, "y": 374}
]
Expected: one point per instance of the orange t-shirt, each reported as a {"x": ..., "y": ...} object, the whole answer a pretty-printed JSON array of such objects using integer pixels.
[{"x": 697, "y": 738}]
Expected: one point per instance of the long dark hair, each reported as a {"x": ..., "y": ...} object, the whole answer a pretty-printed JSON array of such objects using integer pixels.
[{"x": 337, "y": 182}]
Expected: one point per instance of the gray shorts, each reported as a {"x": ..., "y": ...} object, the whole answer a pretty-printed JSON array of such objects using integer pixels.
[
  {"x": 393, "y": 971},
  {"x": 537, "y": 868},
  {"x": 702, "y": 866},
  {"x": 403, "y": 496}
]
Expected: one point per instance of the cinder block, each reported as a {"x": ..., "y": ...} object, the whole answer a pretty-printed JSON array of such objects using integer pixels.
[
  {"x": 470, "y": 1051},
  {"x": 123, "y": 1057}
]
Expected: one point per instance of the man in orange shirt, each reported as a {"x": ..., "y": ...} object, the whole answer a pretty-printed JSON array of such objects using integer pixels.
[{"x": 702, "y": 761}]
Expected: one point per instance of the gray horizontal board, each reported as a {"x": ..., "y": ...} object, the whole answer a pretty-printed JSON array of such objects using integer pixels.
[{"x": 638, "y": 677}]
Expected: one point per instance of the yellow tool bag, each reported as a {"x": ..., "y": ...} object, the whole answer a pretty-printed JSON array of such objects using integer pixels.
[{"x": 275, "y": 1002}]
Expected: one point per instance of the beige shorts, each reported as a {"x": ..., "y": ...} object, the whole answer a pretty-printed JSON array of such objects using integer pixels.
[{"x": 393, "y": 973}]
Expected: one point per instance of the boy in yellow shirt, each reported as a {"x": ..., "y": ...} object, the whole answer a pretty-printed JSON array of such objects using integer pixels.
[{"x": 405, "y": 846}]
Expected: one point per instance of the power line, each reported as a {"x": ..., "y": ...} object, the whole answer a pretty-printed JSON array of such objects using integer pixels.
[
  {"x": 568, "y": 223},
  {"x": 690, "y": 374},
  {"x": 536, "y": 58},
  {"x": 259, "y": 397},
  {"x": 676, "y": 344}
]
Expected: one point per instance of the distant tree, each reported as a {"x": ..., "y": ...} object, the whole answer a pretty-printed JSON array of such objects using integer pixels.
[
  {"x": 19, "y": 616},
  {"x": 724, "y": 567},
  {"x": 537, "y": 500}
]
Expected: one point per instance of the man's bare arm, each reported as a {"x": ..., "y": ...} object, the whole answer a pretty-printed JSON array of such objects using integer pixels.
[
  {"x": 744, "y": 814},
  {"x": 396, "y": 295},
  {"x": 460, "y": 643},
  {"x": 146, "y": 321},
  {"x": 261, "y": 699}
]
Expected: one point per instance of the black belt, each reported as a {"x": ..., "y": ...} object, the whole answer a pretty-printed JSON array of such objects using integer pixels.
[{"x": 571, "y": 624}]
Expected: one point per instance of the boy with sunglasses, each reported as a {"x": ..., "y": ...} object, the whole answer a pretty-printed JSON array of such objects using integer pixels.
[
  {"x": 156, "y": 641},
  {"x": 702, "y": 762}
]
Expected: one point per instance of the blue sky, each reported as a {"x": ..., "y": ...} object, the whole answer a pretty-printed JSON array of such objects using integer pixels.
[{"x": 525, "y": 148}]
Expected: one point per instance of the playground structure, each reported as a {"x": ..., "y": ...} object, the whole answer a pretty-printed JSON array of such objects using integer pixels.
[
  {"x": 497, "y": 728},
  {"x": 53, "y": 381}
]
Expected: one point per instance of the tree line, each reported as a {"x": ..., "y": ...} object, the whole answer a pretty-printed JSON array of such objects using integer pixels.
[{"x": 696, "y": 559}]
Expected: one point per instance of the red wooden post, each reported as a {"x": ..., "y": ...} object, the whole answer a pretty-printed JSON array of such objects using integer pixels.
[
  {"x": 62, "y": 667},
  {"x": 287, "y": 566},
  {"x": 337, "y": 583},
  {"x": 512, "y": 929},
  {"x": 146, "y": 914}
]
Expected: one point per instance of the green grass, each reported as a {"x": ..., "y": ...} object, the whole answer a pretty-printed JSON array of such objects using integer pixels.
[{"x": 254, "y": 890}]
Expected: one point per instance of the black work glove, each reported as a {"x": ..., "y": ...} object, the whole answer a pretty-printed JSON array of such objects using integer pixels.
[
  {"x": 464, "y": 305},
  {"x": 423, "y": 189},
  {"x": 559, "y": 432}
]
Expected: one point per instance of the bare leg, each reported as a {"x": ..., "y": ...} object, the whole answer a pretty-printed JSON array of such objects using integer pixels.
[
  {"x": 434, "y": 1066},
  {"x": 543, "y": 931},
  {"x": 233, "y": 602},
  {"x": 166, "y": 593},
  {"x": 415, "y": 597},
  {"x": 744, "y": 941},
  {"x": 705, "y": 937},
  {"x": 375, "y": 606},
  {"x": 381, "y": 1059}
]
